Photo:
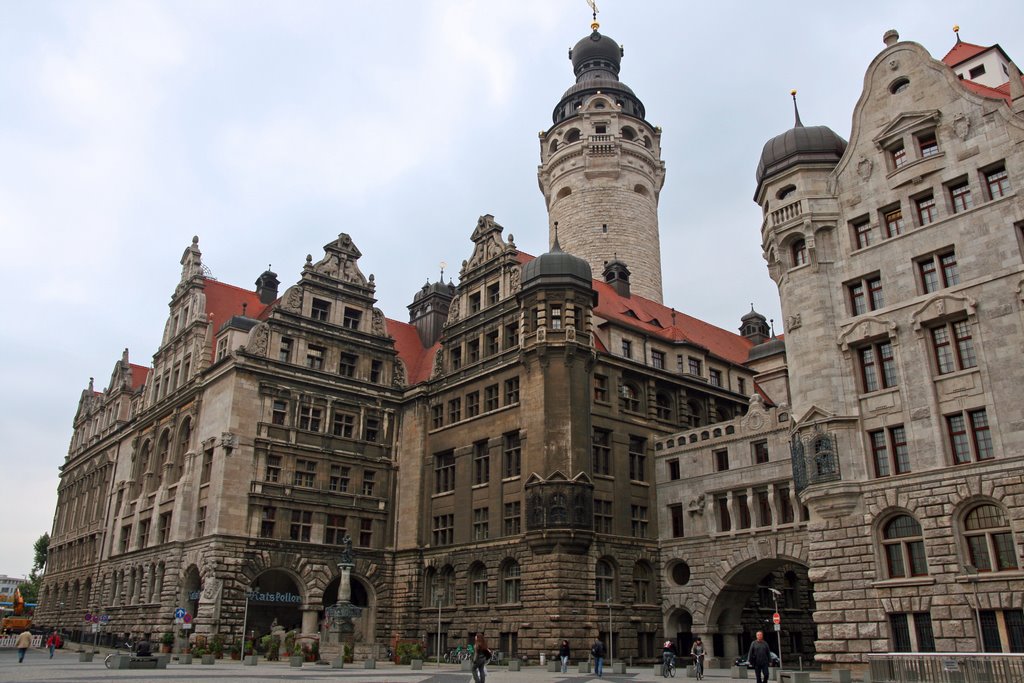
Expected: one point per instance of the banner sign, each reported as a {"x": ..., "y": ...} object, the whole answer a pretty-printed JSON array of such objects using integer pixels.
[{"x": 274, "y": 597}]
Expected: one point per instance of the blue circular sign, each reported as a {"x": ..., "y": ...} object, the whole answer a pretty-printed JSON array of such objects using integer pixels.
[{"x": 179, "y": 613}]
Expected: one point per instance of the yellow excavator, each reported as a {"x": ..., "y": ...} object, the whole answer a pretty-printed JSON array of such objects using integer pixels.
[{"x": 20, "y": 621}]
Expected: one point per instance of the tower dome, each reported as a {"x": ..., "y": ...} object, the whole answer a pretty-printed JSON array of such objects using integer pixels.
[
  {"x": 596, "y": 52},
  {"x": 556, "y": 264},
  {"x": 798, "y": 145}
]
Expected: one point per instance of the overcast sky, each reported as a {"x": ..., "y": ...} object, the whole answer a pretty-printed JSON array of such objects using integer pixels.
[{"x": 267, "y": 128}]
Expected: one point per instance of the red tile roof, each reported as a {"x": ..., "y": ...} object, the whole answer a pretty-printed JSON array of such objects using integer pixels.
[
  {"x": 139, "y": 375},
  {"x": 224, "y": 301},
  {"x": 418, "y": 360},
  {"x": 961, "y": 52}
]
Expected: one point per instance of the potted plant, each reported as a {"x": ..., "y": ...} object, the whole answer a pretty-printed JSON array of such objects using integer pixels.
[
  {"x": 312, "y": 652},
  {"x": 271, "y": 646},
  {"x": 235, "y": 650},
  {"x": 296, "y": 657},
  {"x": 166, "y": 642},
  {"x": 217, "y": 646}
]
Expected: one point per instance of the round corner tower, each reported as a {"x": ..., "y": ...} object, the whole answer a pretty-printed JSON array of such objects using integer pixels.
[{"x": 601, "y": 170}]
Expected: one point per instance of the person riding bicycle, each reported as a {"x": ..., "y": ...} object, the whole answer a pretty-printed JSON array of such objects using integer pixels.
[
  {"x": 698, "y": 653},
  {"x": 668, "y": 655}
]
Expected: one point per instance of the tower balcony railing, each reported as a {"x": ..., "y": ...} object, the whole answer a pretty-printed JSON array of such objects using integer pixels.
[
  {"x": 602, "y": 144},
  {"x": 787, "y": 213}
]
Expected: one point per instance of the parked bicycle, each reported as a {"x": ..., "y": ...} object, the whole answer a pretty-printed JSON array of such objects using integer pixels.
[
  {"x": 668, "y": 665},
  {"x": 127, "y": 647}
]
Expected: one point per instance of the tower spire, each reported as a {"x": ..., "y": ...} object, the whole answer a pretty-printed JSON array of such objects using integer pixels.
[
  {"x": 796, "y": 111},
  {"x": 593, "y": 6}
]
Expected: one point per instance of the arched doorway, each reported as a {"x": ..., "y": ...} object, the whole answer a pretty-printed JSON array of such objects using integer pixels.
[
  {"x": 191, "y": 590},
  {"x": 275, "y": 599},
  {"x": 747, "y": 602},
  {"x": 679, "y": 627}
]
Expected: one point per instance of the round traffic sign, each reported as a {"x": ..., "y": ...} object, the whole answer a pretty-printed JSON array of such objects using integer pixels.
[
  {"x": 88, "y": 617},
  {"x": 179, "y": 613},
  {"x": 188, "y": 618},
  {"x": 776, "y": 619}
]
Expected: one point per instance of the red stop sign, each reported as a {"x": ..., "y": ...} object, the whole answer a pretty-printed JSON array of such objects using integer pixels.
[{"x": 776, "y": 618}]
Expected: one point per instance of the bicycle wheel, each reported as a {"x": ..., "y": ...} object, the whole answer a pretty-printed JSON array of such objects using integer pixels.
[
  {"x": 672, "y": 670},
  {"x": 109, "y": 662}
]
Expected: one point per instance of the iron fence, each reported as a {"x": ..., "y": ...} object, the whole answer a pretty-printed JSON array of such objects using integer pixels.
[{"x": 946, "y": 667}]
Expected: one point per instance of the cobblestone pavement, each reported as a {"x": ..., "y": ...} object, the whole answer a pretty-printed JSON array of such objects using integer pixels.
[{"x": 66, "y": 667}]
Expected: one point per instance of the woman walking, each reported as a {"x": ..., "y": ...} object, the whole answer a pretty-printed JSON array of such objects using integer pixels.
[
  {"x": 563, "y": 654},
  {"x": 481, "y": 655}
]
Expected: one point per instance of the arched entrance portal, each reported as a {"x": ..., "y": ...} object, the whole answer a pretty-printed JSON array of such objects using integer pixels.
[
  {"x": 746, "y": 605},
  {"x": 679, "y": 627},
  {"x": 191, "y": 589},
  {"x": 275, "y": 598},
  {"x": 361, "y": 597}
]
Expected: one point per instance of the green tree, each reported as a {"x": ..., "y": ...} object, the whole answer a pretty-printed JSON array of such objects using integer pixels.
[
  {"x": 40, "y": 547},
  {"x": 30, "y": 589}
]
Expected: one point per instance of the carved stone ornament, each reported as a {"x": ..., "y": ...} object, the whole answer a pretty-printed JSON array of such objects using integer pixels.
[
  {"x": 379, "y": 328},
  {"x": 514, "y": 279},
  {"x": 489, "y": 244},
  {"x": 438, "y": 364},
  {"x": 259, "y": 338},
  {"x": 292, "y": 300},
  {"x": 399, "y": 379},
  {"x": 894, "y": 64},
  {"x": 453, "y": 312},
  {"x": 864, "y": 168},
  {"x": 793, "y": 322},
  {"x": 961, "y": 126}
]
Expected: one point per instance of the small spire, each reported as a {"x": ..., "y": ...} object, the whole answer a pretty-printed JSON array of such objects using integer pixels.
[
  {"x": 772, "y": 322},
  {"x": 556, "y": 246},
  {"x": 796, "y": 111},
  {"x": 443, "y": 265},
  {"x": 956, "y": 30},
  {"x": 593, "y": 6},
  {"x": 752, "y": 307}
]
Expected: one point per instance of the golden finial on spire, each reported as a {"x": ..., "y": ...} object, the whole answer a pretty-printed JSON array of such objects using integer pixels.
[{"x": 593, "y": 6}]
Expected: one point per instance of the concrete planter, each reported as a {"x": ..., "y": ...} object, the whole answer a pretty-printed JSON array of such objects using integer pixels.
[
  {"x": 554, "y": 666},
  {"x": 250, "y": 660},
  {"x": 295, "y": 661},
  {"x": 85, "y": 656},
  {"x": 416, "y": 664},
  {"x": 338, "y": 663},
  {"x": 584, "y": 668},
  {"x": 184, "y": 659},
  {"x": 370, "y": 664},
  {"x": 842, "y": 676},
  {"x": 739, "y": 672},
  {"x": 466, "y": 665},
  {"x": 514, "y": 664},
  {"x": 619, "y": 668},
  {"x": 209, "y": 659}
]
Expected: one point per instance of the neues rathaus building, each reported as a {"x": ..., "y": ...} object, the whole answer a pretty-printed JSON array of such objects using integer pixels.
[{"x": 546, "y": 451}]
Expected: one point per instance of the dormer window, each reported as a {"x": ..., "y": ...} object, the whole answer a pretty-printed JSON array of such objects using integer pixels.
[
  {"x": 898, "y": 154},
  {"x": 352, "y": 318},
  {"x": 321, "y": 310}
]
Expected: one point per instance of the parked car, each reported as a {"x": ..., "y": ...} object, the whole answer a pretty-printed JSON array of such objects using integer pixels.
[{"x": 773, "y": 660}]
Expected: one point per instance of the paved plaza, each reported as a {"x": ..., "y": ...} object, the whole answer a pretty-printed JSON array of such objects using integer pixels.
[{"x": 66, "y": 667}]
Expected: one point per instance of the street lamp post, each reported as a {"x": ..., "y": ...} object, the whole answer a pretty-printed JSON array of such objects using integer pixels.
[
  {"x": 245, "y": 617},
  {"x": 778, "y": 627},
  {"x": 611, "y": 640},
  {"x": 972, "y": 571},
  {"x": 437, "y": 598}
]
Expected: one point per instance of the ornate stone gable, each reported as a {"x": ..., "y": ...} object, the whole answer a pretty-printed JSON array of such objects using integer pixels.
[
  {"x": 489, "y": 244},
  {"x": 340, "y": 261}
]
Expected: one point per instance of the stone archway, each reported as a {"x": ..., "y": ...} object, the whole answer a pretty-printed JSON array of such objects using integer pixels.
[
  {"x": 363, "y": 596},
  {"x": 745, "y": 604},
  {"x": 679, "y": 628},
  {"x": 275, "y": 600}
]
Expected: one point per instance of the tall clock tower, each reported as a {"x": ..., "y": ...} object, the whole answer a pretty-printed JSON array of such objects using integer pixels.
[{"x": 601, "y": 170}]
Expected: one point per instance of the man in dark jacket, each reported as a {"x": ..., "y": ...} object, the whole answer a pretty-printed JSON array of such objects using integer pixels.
[
  {"x": 759, "y": 657},
  {"x": 597, "y": 651}
]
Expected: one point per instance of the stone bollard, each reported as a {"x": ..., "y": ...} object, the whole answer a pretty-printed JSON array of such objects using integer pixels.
[
  {"x": 584, "y": 667},
  {"x": 554, "y": 666},
  {"x": 370, "y": 663},
  {"x": 249, "y": 660},
  {"x": 416, "y": 664},
  {"x": 466, "y": 665},
  {"x": 85, "y": 656},
  {"x": 619, "y": 668},
  {"x": 739, "y": 672},
  {"x": 800, "y": 677},
  {"x": 842, "y": 676},
  {"x": 209, "y": 659},
  {"x": 295, "y": 662},
  {"x": 513, "y": 664},
  {"x": 657, "y": 671},
  {"x": 185, "y": 658}
]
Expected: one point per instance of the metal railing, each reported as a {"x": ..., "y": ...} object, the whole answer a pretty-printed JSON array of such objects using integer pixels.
[{"x": 946, "y": 667}]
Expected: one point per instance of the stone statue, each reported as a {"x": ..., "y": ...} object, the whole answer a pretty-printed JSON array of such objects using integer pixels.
[{"x": 346, "y": 552}]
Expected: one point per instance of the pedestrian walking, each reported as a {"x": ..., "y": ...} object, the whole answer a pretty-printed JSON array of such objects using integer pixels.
[
  {"x": 23, "y": 643},
  {"x": 597, "y": 652},
  {"x": 53, "y": 642},
  {"x": 481, "y": 655},
  {"x": 563, "y": 654},
  {"x": 759, "y": 656}
]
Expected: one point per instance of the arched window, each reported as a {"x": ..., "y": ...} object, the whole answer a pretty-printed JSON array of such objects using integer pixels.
[
  {"x": 628, "y": 133},
  {"x": 785, "y": 192},
  {"x": 572, "y": 136},
  {"x": 447, "y": 586},
  {"x": 184, "y": 437},
  {"x": 143, "y": 462},
  {"x": 553, "y": 147},
  {"x": 478, "y": 584},
  {"x": 663, "y": 406},
  {"x": 564, "y": 192},
  {"x": 430, "y": 585},
  {"x": 641, "y": 190},
  {"x": 510, "y": 582},
  {"x": 904, "y": 547},
  {"x": 629, "y": 398},
  {"x": 989, "y": 540},
  {"x": 604, "y": 581},
  {"x": 799, "y": 252},
  {"x": 642, "y": 594}
]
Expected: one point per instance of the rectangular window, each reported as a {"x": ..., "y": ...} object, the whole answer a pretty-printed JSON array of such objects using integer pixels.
[
  {"x": 601, "y": 451},
  {"x": 490, "y": 398},
  {"x": 493, "y": 293},
  {"x": 637, "y": 458},
  {"x": 454, "y": 410},
  {"x": 339, "y": 479},
  {"x": 744, "y": 510},
  {"x": 511, "y": 518},
  {"x": 305, "y": 473},
  {"x": 977, "y": 71},
  {"x": 267, "y": 522},
  {"x": 602, "y": 516},
  {"x": 222, "y": 347},
  {"x": 455, "y": 357},
  {"x": 201, "y": 521},
  {"x": 866, "y": 295},
  {"x": 273, "y": 470},
  {"x": 347, "y": 364},
  {"x": 444, "y": 529},
  {"x": 315, "y": 357},
  {"x": 472, "y": 350},
  {"x": 474, "y": 302},
  {"x": 376, "y": 367},
  {"x": 673, "y": 470},
  {"x": 335, "y": 530},
  {"x": 969, "y": 436},
  {"x": 163, "y": 528},
  {"x": 764, "y": 508},
  {"x": 371, "y": 429},
  {"x": 741, "y": 386},
  {"x": 715, "y": 377},
  {"x": 491, "y": 343},
  {"x": 877, "y": 367},
  {"x": 658, "y": 360},
  {"x": 321, "y": 310},
  {"x": 481, "y": 524},
  {"x": 695, "y": 367},
  {"x": 207, "y": 466},
  {"x": 893, "y": 222},
  {"x": 278, "y": 412},
  {"x": 473, "y": 404},
  {"x": 954, "y": 347},
  {"x": 437, "y": 416},
  {"x": 760, "y": 451},
  {"x": 342, "y": 424},
  {"x": 369, "y": 482},
  {"x": 926, "y": 211},
  {"x": 126, "y": 537},
  {"x": 351, "y": 318},
  {"x": 366, "y": 533},
  {"x": 627, "y": 348},
  {"x": 512, "y": 391},
  {"x": 512, "y": 452},
  {"x": 284, "y": 352},
  {"x": 721, "y": 457},
  {"x": 928, "y": 145},
  {"x": 301, "y": 526},
  {"x": 898, "y": 155},
  {"x": 555, "y": 317},
  {"x": 724, "y": 518},
  {"x": 938, "y": 271},
  {"x": 960, "y": 197},
  {"x": 481, "y": 463},
  {"x": 511, "y": 335},
  {"x": 444, "y": 472},
  {"x": 997, "y": 182},
  {"x": 638, "y": 521},
  {"x": 675, "y": 513},
  {"x": 600, "y": 388},
  {"x": 861, "y": 233},
  {"x": 310, "y": 418},
  {"x": 900, "y": 628},
  {"x": 786, "y": 512}
]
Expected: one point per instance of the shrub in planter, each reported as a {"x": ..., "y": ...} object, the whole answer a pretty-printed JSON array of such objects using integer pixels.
[
  {"x": 166, "y": 642},
  {"x": 271, "y": 645},
  {"x": 311, "y": 653},
  {"x": 348, "y": 653},
  {"x": 408, "y": 652},
  {"x": 217, "y": 646}
]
